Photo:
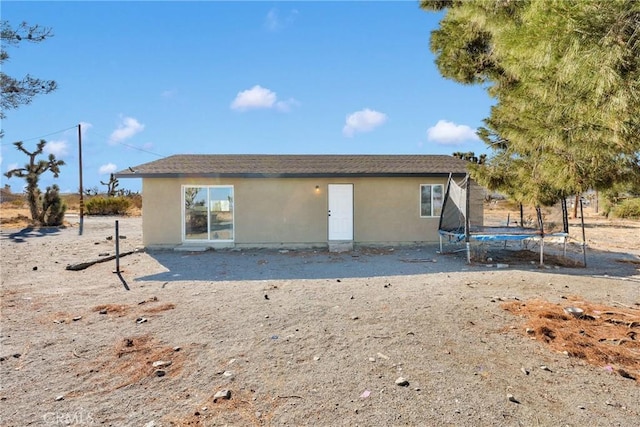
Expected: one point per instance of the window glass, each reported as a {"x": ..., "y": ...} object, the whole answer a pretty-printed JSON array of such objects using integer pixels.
[
  {"x": 431, "y": 199},
  {"x": 221, "y": 213},
  {"x": 195, "y": 213}
]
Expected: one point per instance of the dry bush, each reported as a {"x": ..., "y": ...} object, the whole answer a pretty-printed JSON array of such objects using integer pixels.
[{"x": 604, "y": 336}]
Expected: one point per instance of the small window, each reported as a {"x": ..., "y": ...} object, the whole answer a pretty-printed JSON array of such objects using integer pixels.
[{"x": 430, "y": 200}]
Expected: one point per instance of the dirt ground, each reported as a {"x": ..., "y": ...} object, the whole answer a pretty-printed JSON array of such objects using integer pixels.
[{"x": 273, "y": 338}]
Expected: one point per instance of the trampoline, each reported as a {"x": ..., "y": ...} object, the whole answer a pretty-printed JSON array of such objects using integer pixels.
[{"x": 455, "y": 224}]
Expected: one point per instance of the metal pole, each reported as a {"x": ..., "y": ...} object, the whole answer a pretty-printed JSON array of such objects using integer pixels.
[
  {"x": 467, "y": 222},
  {"x": 117, "y": 248},
  {"x": 80, "y": 174},
  {"x": 117, "y": 237},
  {"x": 584, "y": 239}
]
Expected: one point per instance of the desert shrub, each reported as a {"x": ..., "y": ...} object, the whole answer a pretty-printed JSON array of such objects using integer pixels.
[
  {"x": 629, "y": 208},
  {"x": 53, "y": 208},
  {"x": 18, "y": 202},
  {"x": 136, "y": 199},
  {"x": 107, "y": 206}
]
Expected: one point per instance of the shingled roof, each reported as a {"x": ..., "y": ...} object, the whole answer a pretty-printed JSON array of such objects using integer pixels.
[{"x": 290, "y": 166}]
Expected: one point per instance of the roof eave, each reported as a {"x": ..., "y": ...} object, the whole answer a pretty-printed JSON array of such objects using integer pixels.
[{"x": 289, "y": 175}]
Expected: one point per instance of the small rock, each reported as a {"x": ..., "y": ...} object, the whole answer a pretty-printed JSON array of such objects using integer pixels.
[
  {"x": 372, "y": 359},
  {"x": 16, "y": 355},
  {"x": 75, "y": 319},
  {"x": 35, "y": 268},
  {"x": 160, "y": 372},
  {"x": 530, "y": 331},
  {"x": 316, "y": 358},
  {"x": 354, "y": 317},
  {"x": 104, "y": 311},
  {"x": 511, "y": 398},
  {"x": 227, "y": 374},
  {"x": 103, "y": 254},
  {"x": 60, "y": 397},
  {"x": 625, "y": 374},
  {"x": 161, "y": 363},
  {"x": 222, "y": 394},
  {"x": 402, "y": 382},
  {"x": 140, "y": 320},
  {"x": 383, "y": 356},
  {"x": 545, "y": 368},
  {"x": 177, "y": 348},
  {"x": 266, "y": 296},
  {"x": 524, "y": 371}
]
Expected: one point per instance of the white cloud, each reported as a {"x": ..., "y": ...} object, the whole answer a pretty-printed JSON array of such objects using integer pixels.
[
  {"x": 286, "y": 106},
  {"x": 107, "y": 169},
  {"x": 57, "y": 148},
  {"x": 127, "y": 128},
  {"x": 445, "y": 132},
  {"x": 273, "y": 21},
  {"x": 363, "y": 121},
  {"x": 259, "y": 97}
]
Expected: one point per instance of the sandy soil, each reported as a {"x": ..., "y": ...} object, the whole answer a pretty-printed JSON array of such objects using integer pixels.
[{"x": 313, "y": 338}]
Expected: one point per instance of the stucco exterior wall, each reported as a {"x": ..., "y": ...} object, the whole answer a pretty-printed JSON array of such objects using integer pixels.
[{"x": 290, "y": 212}]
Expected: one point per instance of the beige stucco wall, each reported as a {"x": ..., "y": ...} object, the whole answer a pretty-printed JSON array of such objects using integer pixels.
[{"x": 290, "y": 212}]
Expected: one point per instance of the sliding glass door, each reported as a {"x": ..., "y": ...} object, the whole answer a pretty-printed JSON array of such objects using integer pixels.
[{"x": 208, "y": 213}]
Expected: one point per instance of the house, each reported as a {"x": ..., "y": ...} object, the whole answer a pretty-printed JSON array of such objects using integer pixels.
[{"x": 290, "y": 201}]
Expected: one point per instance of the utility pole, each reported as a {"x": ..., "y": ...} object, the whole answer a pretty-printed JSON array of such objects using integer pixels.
[{"x": 81, "y": 190}]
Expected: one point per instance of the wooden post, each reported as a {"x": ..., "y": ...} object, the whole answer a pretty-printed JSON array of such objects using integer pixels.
[{"x": 80, "y": 175}]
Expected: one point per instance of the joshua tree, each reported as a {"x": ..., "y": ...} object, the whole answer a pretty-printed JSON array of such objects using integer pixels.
[
  {"x": 52, "y": 207},
  {"x": 31, "y": 173},
  {"x": 111, "y": 186}
]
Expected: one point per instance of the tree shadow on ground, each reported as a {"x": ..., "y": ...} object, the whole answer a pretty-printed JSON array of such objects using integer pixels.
[
  {"x": 232, "y": 265},
  {"x": 29, "y": 233}
]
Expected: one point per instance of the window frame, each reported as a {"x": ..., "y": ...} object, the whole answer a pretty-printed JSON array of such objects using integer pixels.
[
  {"x": 208, "y": 203},
  {"x": 432, "y": 192}
]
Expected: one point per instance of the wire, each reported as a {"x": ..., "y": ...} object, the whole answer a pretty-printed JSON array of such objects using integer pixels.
[
  {"x": 140, "y": 149},
  {"x": 40, "y": 137},
  {"x": 98, "y": 134}
]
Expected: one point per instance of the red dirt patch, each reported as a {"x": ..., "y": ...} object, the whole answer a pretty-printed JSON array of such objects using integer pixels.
[
  {"x": 603, "y": 336},
  {"x": 131, "y": 360}
]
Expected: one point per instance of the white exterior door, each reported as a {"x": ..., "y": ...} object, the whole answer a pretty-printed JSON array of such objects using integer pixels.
[{"x": 341, "y": 212}]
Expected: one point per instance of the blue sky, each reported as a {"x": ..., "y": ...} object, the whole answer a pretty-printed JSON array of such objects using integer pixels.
[{"x": 151, "y": 79}]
